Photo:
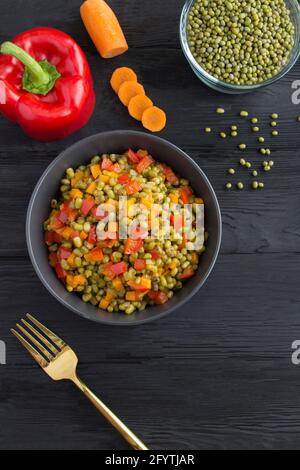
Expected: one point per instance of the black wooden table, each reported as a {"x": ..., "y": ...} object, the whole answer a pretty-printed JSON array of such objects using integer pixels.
[{"x": 215, "y": 374}]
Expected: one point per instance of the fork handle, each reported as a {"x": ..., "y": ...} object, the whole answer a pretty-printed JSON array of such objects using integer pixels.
[{"x": 128, "y": 435}]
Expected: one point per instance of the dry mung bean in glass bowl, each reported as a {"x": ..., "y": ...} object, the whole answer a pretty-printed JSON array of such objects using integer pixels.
[{"x": 238, "y": 46}]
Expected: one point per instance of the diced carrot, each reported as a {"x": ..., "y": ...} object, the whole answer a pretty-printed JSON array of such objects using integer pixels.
[
  {"x": 74, "y": 193},
  {"x": 83, "y": 235},
  {"x": 128, "y": 90},
  {"x": 154, "y": 119},
  {"x": 174, "y": 198},
  {"x": 104, "y": 28},
  {"x": 79, "y": 175},
  {"x": 172, "y": 265},
  {"x": 121, "y": 75},
  {"x": 95, "y": 170},
  {"x": 123, "y": 179},
  {"x": 67, "y": 233},
  {"x": 104, "y": 304},
  {"x": 146, "y": 202},
  {"x": 104, "y": 178},
  {"x": 137, "y": 105},
  {"x": 195, "y": 258},
  {"x": 117, "y": 283},
  {"x": 71, "y": 260},
  {"x": 132, "y": 296},
  {"x": 91, "y": 188},
  {"x": 79, "y": 280}
]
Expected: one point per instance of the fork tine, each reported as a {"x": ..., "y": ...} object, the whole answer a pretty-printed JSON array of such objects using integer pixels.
[
  {"x": 54, "y": 338},
  {"x": 36, "y": 343},
  {"x": 32, "y": 351},
  {"x": 53, "y": 349}
]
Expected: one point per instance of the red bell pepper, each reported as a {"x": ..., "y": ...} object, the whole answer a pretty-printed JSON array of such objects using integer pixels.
[
  {"x": 92, "y": 239},
  {"x": 143, "y": 164},
  {"x": 140, "y": 264},
  {"x": 87, "y": 205},
  {"x": 169, "y": 174},
  {"x": 133, "y": 187},
  {"x": 132, "y": 156},
  {"x": 158, "y": 297},
  {"x": 155, "y": 254},
  {"x": 187, "y": 273},
  {"x": 45, "y": 84},
  {"x": 63, "y": 253},
  {"x": 132, "y": 246},
  {"x": 185, "y": 193}
]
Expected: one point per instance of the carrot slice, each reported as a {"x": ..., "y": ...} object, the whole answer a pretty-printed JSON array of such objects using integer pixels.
[
  {"x": 154, "y": 119},
  {"x": 121, "y": 75},
  {"x": 137, "y": 105},
  {"x": 104, "y": 28},
  {"x": 128, "y": 90}
]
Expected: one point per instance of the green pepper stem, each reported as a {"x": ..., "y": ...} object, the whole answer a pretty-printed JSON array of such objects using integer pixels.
[{"x": 38, "y": 75}]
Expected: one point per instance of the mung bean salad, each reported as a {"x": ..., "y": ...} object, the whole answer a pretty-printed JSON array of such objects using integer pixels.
[
  {"x": 241, "y": 42},
  {"x": 120, "y": 275}
]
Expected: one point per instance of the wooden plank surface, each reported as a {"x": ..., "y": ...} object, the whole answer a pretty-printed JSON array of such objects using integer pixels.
[{"x": 216, "y": 374}]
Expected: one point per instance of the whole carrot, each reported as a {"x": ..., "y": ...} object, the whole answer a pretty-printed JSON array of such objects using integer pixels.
[{"x": 104, "y": 28}]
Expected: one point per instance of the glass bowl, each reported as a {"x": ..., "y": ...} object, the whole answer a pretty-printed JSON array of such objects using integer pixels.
[{"x": 225, "y": 87}]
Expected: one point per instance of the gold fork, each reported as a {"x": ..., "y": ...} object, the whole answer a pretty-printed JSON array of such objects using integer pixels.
[{"x": 59, "y": 361}]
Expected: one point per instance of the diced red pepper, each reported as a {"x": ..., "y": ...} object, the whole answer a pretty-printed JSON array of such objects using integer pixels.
[
  {"x": 123, "y": 179},
  {"x": 55, "y": 223},
  {"x": 187, "y": 273},
  {"x": 169, "y": 174},
  {"x": 184, "y": 241},
  {"x": 119, "y": 268},
  {"x": 143, "y": 164},
  {"x": 53, "y": 259},
  {"x": 133, "y": 187},
  {"x": 60, "y": 272},
  {"x": 96, "y": 254},
  {"x": 92, "y": 238},
  {"x": 107, "y": 271},
  {"x": 177, "y": 221},
  {"x": 185, "y": 193},
  {"x": 158, "y": 297},
  {"x": 140, "y": 264},
  {"x": 116, "y": 168},
  {"x": 137, "y": 232},
  {"x": 133, "y": 157},
  {"x": 99, "y": 213},
  {"x": 155, "y": 254},
  {"x": 49, "y": 238},
  {"x": 63, "y": 253},
  {"x": 106, "y": 164},
  {"x": 132, "y": 246},
  {"x": 87, "y": 206}
]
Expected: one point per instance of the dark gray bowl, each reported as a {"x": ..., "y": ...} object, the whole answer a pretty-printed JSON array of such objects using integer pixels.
[{"x": 118, "y": 142}]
